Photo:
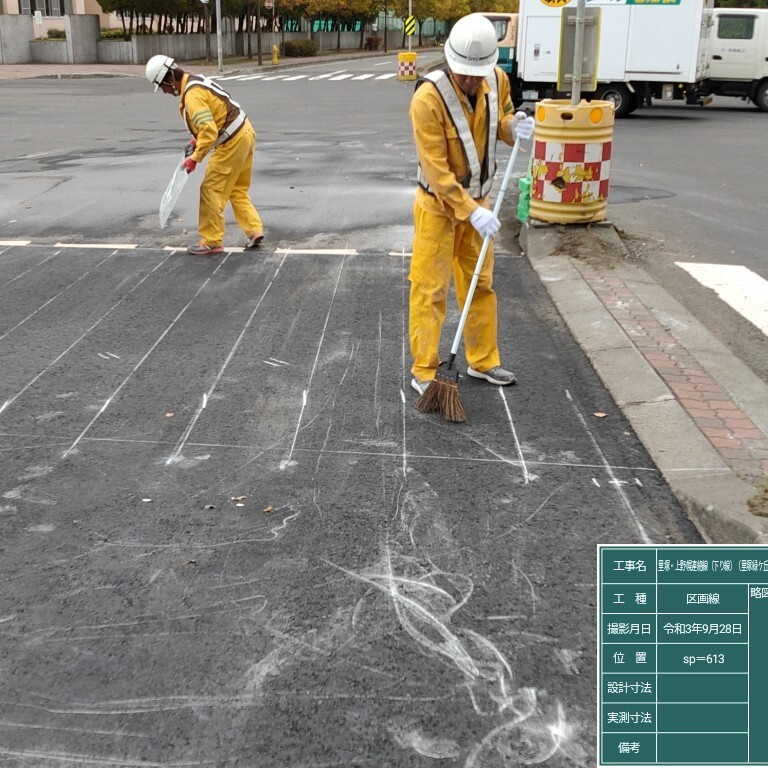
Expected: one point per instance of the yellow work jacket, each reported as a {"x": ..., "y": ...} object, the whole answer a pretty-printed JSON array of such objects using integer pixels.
[
  {"x": 438, "y": 145},
  {"x": 209, "y": 112}
]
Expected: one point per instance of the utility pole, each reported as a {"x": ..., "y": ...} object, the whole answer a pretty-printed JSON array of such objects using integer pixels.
[{"x": 218, "y": 34}]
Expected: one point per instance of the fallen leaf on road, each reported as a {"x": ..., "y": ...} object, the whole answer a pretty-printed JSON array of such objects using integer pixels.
[
  {"x": 169, "y": 414},
  {"x": 600, "y": 415},
  {"x": 209, "y": 506},
  {"x": 267, "y": 510}
]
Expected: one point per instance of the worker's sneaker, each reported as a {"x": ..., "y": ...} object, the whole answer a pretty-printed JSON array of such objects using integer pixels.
[
  {"x": 254, "y": 241},
  {"x": 203, "y": 249},
  {"x": 495, "y": 375},
  {"x": 420, "y": 386}
]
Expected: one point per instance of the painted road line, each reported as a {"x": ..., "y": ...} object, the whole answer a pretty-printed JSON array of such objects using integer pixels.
[
  {"x": 363, "y": 77},
  {"x": 15, "y": 242},
  {"x": 294, "y": 77},
  {"x": 327, "y": 74},
  {"x": 251, "y": 77},
  {"x": 114, "y": 246},
  {"x": 273, "y": 77},
  {"x": 739, "y": 287},
  {"x": 342, "y": 77},
  {"x": 387, "y": 76},
  {"x": 318, "y": 251}
]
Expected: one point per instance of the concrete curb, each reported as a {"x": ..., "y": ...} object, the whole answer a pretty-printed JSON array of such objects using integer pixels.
[{"x": 713, "y": 494}]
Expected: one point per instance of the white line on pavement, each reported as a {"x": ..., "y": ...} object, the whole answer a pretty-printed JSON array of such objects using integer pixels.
[{"x": 739, "y": 287}]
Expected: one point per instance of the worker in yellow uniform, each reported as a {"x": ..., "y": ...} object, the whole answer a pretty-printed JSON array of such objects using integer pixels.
[
  {"x": 458, "y": 113},
  {"x": 220, "y": 127}
]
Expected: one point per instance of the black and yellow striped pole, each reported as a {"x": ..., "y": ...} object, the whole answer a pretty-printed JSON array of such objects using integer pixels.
[{"x": 406, "y": 62}]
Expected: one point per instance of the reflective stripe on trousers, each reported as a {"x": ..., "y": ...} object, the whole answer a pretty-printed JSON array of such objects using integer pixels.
[
  {"x": 442, "y": 249},
  {"x": 227, "y": 179}
]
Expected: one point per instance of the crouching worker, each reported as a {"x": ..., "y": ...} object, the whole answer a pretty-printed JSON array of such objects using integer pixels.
[
  {"x": 219, "y": 127},
  {"x": 457, "y": 114}
]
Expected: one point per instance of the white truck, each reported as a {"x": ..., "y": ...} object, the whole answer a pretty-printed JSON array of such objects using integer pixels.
[
  {"x": 738, "y": 55},
  {"x": 647, "y": 49}
]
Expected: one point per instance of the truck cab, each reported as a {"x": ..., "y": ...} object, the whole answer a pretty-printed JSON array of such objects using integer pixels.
[
  {"x": 738, "y": 54},
  {"x": 506, "y": 33}
]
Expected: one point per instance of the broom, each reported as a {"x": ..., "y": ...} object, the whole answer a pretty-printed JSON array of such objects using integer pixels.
[{"x": 442, "y": 394}]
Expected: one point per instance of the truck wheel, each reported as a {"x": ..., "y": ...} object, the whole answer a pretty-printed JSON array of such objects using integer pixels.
[
  {"x": 619, "y": 94},
  {"x": 761, "y": 97}
]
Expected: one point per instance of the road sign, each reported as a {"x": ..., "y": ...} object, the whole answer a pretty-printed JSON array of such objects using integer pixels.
[{"x": 410, "y": 25}]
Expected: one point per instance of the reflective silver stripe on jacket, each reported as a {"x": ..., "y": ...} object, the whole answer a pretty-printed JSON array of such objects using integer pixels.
[
  {"x": 231, "y": 128},
  {"x": 475, "y": 183}
]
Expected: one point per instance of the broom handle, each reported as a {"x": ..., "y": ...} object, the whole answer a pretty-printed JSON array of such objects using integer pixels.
[{"x": 481, "y": 257}]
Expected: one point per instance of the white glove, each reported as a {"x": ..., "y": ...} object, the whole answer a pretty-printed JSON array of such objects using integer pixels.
[
  {"x": 522, "y": 126},
  {"x": 484, "y": 222}
]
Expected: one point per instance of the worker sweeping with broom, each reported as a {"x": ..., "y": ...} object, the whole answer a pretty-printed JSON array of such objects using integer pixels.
[{"x": 458, "y": 114}]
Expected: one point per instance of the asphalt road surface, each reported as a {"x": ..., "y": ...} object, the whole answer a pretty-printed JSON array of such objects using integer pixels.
[{"x": 227, "y": 536}]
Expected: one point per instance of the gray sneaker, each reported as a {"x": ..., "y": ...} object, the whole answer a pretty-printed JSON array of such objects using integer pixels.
[
  {"x": 495, "y": 375},
  {"x": 420, "y": 386}
]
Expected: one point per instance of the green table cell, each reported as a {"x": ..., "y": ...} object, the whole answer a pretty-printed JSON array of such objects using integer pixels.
[
  {"x": 628, "y": 565},
  {"x": 623, "y": 627},
  {"x": 703, "y": 628},
  {"x": 628, "y": 598},
  {"x": 629, "y": 688},
  {"x": 635, "y": 718},
  {"x": 628, "y": 657},
  {"x": 684, "y": 687},
  {"x": 735, "y": 565},
  {"x": 703, "y": 718},
  {"x": 628, "y": 748},
  {"x": 703, "y": 598},
  {"x": 702, "y": 748},
  {"x": 703, "y": 657}
]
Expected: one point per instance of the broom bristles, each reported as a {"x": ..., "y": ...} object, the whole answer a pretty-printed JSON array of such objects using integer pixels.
[{"x": 442, "y": 395}]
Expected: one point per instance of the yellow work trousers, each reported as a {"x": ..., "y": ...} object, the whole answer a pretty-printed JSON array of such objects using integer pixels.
[
  {"x": 442, "y": 247},
  {"x": 227, "y": 179}
]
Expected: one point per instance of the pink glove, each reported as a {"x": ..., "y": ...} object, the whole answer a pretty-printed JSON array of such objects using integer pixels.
[{"x": 189, "y": 165}]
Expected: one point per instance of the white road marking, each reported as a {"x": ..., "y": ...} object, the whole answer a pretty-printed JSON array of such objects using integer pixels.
[
  {"x": 342, "y": 77},
  {"x": 319, "y": 251},
  {"x": 15, "y": 242},
  {"x": 96, "y": 245},
  {"x": 273, "y": 77},
  {"x": 387, "y": 76},
  {"x": 362, "y": 77},
  {"x": 294, "y": 77},
  {"x": 739, "y": 287},
  {"x": 327, "y": 75}
]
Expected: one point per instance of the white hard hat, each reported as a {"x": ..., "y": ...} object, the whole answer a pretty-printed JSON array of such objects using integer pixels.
[
  {"x": 472, "y": 47},
  {"x": 157, "y": 69}
]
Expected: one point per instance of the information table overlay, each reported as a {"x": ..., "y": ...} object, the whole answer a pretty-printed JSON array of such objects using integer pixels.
[{"x": 683, "y": 655}]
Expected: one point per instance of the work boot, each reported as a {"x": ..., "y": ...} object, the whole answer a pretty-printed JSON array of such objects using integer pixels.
[
  {"x": 254, "y": 241},
  {"x": 496, "y": 375},
  {"x": 420, "y": 386},
  {"x": 203, "y": 249}
]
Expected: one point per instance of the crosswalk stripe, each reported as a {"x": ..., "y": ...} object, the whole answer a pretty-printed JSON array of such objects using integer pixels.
[
  {"x": 327, "y": 74},
  {"x": 273, "y": 77},
  {"x": 387, "y": 76},
  {"x": 341, "y": 77},
  {"x": 363, "y": 77},
  {"x": 250, "y": 77},
  {"x": 294, "y": 77},
  {"x": 739, "y": 287}
]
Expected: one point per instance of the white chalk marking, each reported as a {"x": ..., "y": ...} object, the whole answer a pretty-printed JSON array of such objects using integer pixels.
[
  {"x": 174, "y": 457},
  {"x": 281, "y": 362},
  {"x": 595, "y": 482},
  {"x": 80, "y": 338},
  {"x": 318, "y": 251},
  {"x": 637, "y": 482},
  {"x": 27, "y": 271},
  {"x": 143, "y": 359},
  {"x": 287, "y": 461},
  {"x": 609, "y": 471},
  {"x": 53, "y": 298},
  {"x": 98, "y": 246},
  {"x": 276, "y": 365},
  {"x": 103, "y": 356},
  {"x": 527, "y": 477}
]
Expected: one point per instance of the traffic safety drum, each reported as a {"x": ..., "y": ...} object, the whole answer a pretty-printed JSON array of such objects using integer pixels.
[{"x": 571, "y": 163}]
